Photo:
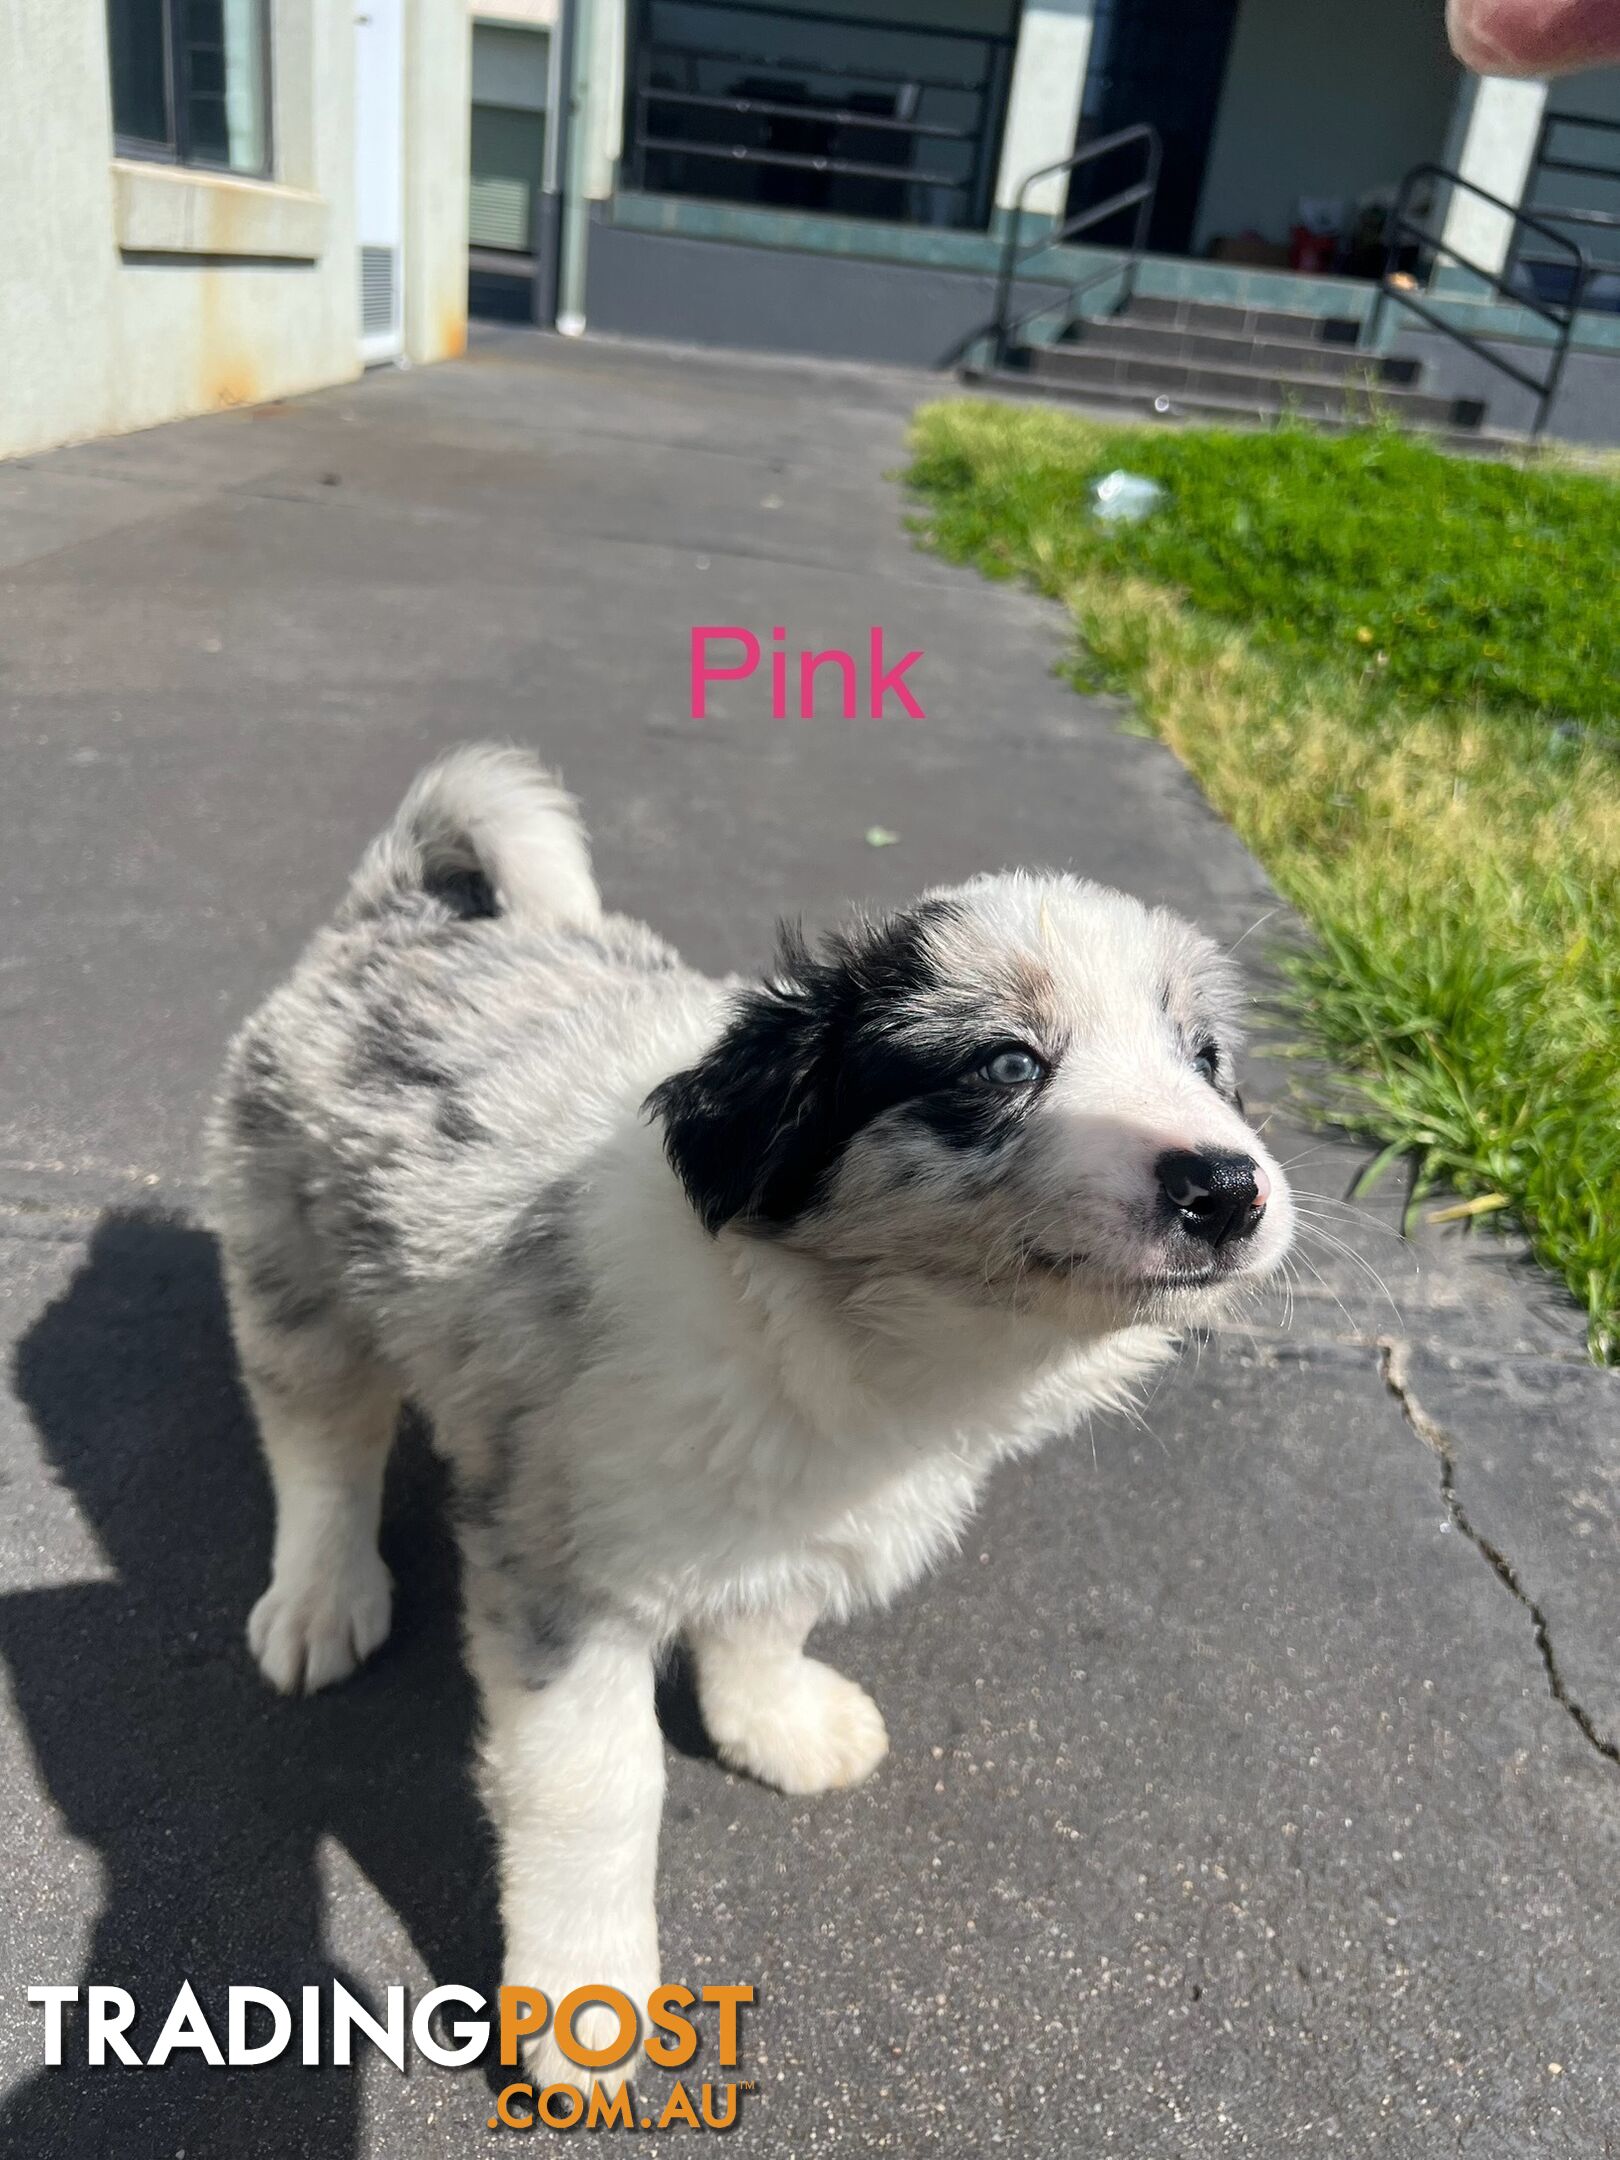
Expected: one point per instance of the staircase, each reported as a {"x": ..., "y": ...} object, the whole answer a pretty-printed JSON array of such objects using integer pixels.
[
  {"x": 1222, "y": 361},
  {"x": 1226, "y": 360}
]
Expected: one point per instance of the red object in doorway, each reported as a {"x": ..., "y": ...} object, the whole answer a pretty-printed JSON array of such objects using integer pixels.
[{"x": 1312, "y": 252}]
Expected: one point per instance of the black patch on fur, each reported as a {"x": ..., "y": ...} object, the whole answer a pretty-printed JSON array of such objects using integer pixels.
[
  {"x": 367, "y": 1227},
  {"x": 260, "y": 1063},
  {"x": 812, "y": 1057},
  {"x": 524, "y": 1596},
  {"x": 466, "y": 892},
  {"x": 480, "y": 1501},
  {"x": 257, "y": 1109},
  {"x": 283, "y": 1302},
  {"x": 457, "y": 1124},
  {"x": 542, "y": 1625},
  {"x": 545, "y": 1243},
  {"x": 969, "y": 1118},
  {"x": 523, "y": 1592},
  {"x": 388, "y": 1053},
  {"x": 257, "y": 1116}
]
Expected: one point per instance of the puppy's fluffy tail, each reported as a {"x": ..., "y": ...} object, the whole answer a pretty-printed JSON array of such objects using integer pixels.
[{"x": 484, "y": 831}]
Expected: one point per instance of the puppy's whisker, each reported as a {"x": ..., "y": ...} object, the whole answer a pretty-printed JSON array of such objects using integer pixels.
[
  {"x": 1309, "y": 1204},
  {"x": 1328, "y": 1290},
  {"x": 1258, "y": 924},
  {"x": 1331, "y": 1243}
]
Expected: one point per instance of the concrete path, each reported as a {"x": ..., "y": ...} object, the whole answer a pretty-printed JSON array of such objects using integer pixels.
[{"x": 1254, "y": 1783}]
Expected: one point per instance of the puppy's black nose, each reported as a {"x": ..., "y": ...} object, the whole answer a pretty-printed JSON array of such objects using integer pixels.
[{"x": 1218, "y": 1197}]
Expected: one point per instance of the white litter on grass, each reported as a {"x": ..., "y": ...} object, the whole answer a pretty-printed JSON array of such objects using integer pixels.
[{"x": 1124, "y": 498}]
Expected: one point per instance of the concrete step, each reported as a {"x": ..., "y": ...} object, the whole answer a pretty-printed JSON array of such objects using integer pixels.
[
  {"x": 1200, "y": 386},
  {"x": 1119, "y": 401},
  {"x": 1168, "y": 342},
  {"x": 1235, "y": 320}
]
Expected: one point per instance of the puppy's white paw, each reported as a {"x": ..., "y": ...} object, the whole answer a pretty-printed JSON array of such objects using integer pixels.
[
  {"x": 597, "y": 2027},
  {"x": 815, "y": 1731},
  {"x": 547, "y": 2065},
  {"x": 306, "y": 1635}
]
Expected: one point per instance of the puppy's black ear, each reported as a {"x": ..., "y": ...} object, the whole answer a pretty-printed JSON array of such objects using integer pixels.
[{"x": 746, "y": 1129}]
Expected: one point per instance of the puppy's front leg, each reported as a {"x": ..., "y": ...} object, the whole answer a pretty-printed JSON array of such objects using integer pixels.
[
  {"x": 781, "y": 1716},
  {"x": 574, "y": 1777}
]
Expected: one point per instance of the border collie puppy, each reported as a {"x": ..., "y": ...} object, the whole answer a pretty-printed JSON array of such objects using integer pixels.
[{"x": 722, "y": 1298}]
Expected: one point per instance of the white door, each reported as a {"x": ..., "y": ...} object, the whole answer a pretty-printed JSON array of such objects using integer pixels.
[{"x": 379, "y": 174}]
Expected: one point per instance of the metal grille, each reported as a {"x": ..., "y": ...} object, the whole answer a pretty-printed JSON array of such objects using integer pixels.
[
  {"x": 1584, "y": 147},
  {"x": 498, "y": 214},
  {"x": 377, "y": 270},
  {"x": 798, "y": 110}
]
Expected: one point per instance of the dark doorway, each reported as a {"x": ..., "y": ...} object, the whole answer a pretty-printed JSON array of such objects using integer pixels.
[{"x": 1162, "y": 61}]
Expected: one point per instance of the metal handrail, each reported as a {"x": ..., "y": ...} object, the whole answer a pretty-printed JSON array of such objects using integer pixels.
[
  {"x": 803, "y": 161},
  {"x": 1543, "y": 161},
  {"x": 830, "y": 116},
  {"x": 1013, "y": 255},
  {"x": 1404, "y": 226},
  {"x": 1580, "y": 120}
]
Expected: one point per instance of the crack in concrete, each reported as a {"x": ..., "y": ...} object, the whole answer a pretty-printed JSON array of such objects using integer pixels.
[{"x": 1392, "y": 1365}]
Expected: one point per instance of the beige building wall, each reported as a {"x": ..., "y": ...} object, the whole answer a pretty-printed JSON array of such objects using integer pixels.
[
  {"x": 135, "y": 292},
  {"x": 531, "y": 14},
  {"x": 1493, "y": 141},
  {"x": 1043, "y": 107},
  {"x": 438, "y": 126}
]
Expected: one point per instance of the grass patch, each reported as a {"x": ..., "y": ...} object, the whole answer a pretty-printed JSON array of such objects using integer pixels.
[{"x": 1395, "y": 673}]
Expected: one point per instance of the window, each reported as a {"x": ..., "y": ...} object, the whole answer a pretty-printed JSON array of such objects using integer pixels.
[
  {"x": 807, "y": 109},
  {"x": 191, "y": 81}
]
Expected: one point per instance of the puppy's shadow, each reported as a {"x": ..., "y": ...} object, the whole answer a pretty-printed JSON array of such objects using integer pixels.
[{"x": 223, "y": 1816}]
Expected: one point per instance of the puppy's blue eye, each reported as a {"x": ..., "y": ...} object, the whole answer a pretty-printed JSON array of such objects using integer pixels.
[
  {"x": 1207, "y": 1060},
  {"x": 1013, "y": 1068}
]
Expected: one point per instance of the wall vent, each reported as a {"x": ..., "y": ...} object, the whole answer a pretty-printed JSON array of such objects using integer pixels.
[{"x": 379, "y": 266}]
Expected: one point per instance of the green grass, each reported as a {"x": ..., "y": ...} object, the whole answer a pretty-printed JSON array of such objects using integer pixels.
[{"x": 1396, "y": 674}]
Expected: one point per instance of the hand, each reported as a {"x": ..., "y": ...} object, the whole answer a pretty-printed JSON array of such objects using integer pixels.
[{"x": 1533, "y": 37}]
